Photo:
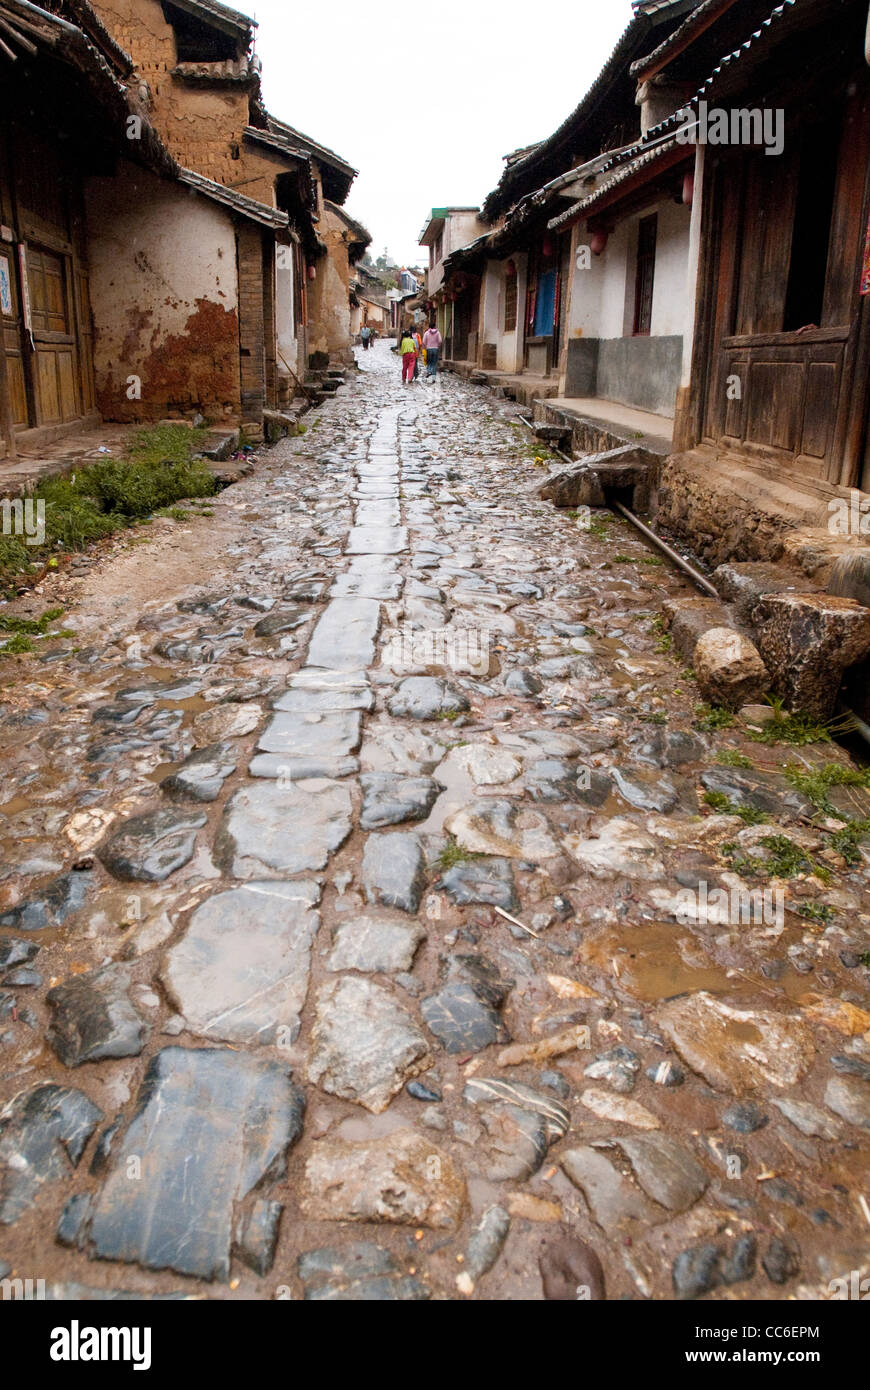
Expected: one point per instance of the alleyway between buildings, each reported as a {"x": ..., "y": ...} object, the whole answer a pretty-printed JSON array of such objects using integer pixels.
[{"x": 356, "y": 935}]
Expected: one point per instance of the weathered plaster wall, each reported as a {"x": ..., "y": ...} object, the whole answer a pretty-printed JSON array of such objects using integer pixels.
[
  {"x": 329, "y": 291},
  {"x": 164, "y": 294}
]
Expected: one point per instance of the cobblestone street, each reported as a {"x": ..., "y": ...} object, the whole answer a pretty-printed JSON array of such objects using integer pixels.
[{"x": 375, "y": 914}]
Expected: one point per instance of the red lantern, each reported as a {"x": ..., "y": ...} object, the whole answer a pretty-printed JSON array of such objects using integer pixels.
[
  {"x": 689, "y": 188},
  {"x": 510, "y": 270},
  {"x": 598, "y": 243},
  {"x": 547, "y": 245},
  {"x": 312, "y": 272}
]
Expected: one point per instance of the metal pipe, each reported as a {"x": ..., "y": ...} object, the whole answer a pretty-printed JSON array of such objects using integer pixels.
[
  {"x": 859, "y": 726},
  {"x": 694, "y": 575}
]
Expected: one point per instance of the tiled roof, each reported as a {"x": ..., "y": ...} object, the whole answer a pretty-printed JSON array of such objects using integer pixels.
[{"x": 236, "y": 202}]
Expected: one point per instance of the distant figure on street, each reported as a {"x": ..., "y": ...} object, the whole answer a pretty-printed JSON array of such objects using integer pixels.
[
  {"x": 408, "y": 351},
  {"x": 432, "y": 341},
  {"x": 418, "y": 341},
  {"x": 365, "y": 337}
]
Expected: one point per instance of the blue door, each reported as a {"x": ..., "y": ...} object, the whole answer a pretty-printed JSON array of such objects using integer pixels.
[{"x": 545, "y": 305}]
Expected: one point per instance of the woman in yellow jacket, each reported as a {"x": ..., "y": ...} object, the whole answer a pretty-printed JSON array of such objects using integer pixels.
[{"x": 408, "y": 350}]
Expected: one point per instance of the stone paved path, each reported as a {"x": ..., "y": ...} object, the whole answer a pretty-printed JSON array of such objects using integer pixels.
[{"x": 344, "y": 940}]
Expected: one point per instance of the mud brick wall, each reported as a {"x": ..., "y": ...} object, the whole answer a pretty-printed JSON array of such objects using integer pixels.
[{"x": 252, "y": 327}]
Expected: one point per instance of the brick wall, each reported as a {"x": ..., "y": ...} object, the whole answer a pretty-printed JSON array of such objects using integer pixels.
[{"x": 251, "y": 321}]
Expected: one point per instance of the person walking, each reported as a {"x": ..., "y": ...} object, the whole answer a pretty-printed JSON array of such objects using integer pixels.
[
  {"x": 418, "y": 342},
  {"x": 408, "y": 352},
  {"x": 365, "y": 337},
  {"x": 432, "y": 341}
]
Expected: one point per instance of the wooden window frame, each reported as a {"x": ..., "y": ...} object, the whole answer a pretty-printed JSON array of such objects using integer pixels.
[{"x": 645, "y": 273}]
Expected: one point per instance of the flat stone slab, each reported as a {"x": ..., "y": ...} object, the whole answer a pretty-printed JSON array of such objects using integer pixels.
[
  {"x": 240, "y": 972},
  {"x": 201, "y": 776},
  {"x": 344, "y": 638},
  {"x": 488, "y": 881},
  {"x": 303, "y": 701},
  {"x": 150, "y": 847},
  {"x": 666, "y": 1170},
  {"x": 43, "y": 1134},
  {"x": 376, "y": 540},
  {"x": 461, "y": 1020},
  {"x": 394, "y": 871},
  {"x": 271, "y": 831},
  {"x": 365, "y": 1046},
  {"x": 280, "y": 766},
  {"x": 225, "y": 721},
  {"x": 375, "y": 945},
  {"x": 491, "y": 826},
  {"x": 614, "y": 1202},
  {"x": 316, "y": 734},
  {"x": 93, "y": 1017},
  {"x": 426, "y": 697},
  {"x": 401, "y": 1178},
  {"x": 389, "y": 799},
  {"x": 209, "y": 1127},
  {"x": 357, "y": 1273},
  {"x": 737, "y": 1050}
]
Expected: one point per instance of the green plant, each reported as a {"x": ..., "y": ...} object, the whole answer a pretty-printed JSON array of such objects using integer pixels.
[
  {"x": 622, "y": 559},
  {"x": 815, "y": 783},
  {"x": 847, "y": 840},
  {"x": 798, "y": 728},
  {"x": 38, "y": 626},
  {"x": 816, "y": 912},
  {"x": 784, "y": 859},
  {"x": 453, "y": 854},
  {"x": 731, "y": 757},
  {"x": 750, "y": 815},
  {"x": 713, "y": 717},
  {"x": 652, "y": 560},
  {"x": 17, "y": 645}
]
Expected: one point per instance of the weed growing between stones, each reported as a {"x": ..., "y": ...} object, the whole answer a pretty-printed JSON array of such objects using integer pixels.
[
  {"x": 732, "y": 757},
  {"x": 454, "y": 854},
  {"x": 815, "y": 783},
  {"x": 798, "y": 728},
  {"x": 719, "y": 802},
  {"x": 784, "y": 859},
  {"x": 713, "y": 717}
]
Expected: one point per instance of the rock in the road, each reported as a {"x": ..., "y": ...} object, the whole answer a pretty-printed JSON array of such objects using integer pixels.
[
  {"x": 737, "y": 1050},
  {"x": 571, "y": 1272},
  {"x": 225, "y": 721},
  {"x": 496, "y": 827},
  {"x": 389, "y": 799},
  {"x": 426, "y": 697},
  {"x": 402, "y": 1177},
  {"x": 665, "y": 1169},
  {"x": 94, "y": 1018},
  {"x": 240, "y": 972},
  {"x": 809, "y": 1119},
  {"x": 258, "y": 1237},
  {"x": 209, "y": 1127},
  {"x": 621, "y": 850},
  {"x": 807, "y": 642},
  {"x": 489, "y": 881},
  {"x": 150, "y": 847},
  {"x": 613, "y": 1201},
  {"x": 729, "y": 669},
  {"x": 271, "y": 831},
  {"x": 484, "y": 1247},
  {"x": 201, "y": 776},
  {"x": 357, "y": 1273},
  {"x": 462, "y": 1020},
  {"x": 52, "y": 905},
  {"x": 394, "y": 871},
  {"x": 43, "y": 1134},
  {"x": 850, "y": 1099},
  {"x": 521, "y": 1125},
  {"x": 375, "y": 945},
  {"x": 365, "y": 1046},
  {"x": 332, "y": 734}
]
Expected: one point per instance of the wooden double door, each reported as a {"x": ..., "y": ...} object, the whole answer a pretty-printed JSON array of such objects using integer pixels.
[{"x": 47, "y": 335}]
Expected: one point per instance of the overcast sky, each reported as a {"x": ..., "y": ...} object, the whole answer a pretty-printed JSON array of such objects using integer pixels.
[{"x": 425, "y": 100}]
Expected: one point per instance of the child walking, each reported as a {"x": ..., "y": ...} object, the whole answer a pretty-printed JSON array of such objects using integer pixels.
[{"x": 408, "y": 350}]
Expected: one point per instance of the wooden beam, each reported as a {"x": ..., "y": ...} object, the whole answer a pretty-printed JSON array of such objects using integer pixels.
[{"x": 7, "y": 424}]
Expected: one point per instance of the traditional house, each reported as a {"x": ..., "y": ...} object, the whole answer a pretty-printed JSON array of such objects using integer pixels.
[
  {"x": 772, "y": 420},
  {"x": 195, "y": 63},
  {"x": 369, "y": 306},
  {"x": 120, "y": 291},
  {"x": 580, "y": 287}
]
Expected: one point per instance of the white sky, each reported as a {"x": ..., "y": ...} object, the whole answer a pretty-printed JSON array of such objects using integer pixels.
[{"x": 425, "y": 100}]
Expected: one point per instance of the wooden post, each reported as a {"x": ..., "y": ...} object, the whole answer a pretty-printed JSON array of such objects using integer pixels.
[{"x": 7, "y": 424}]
